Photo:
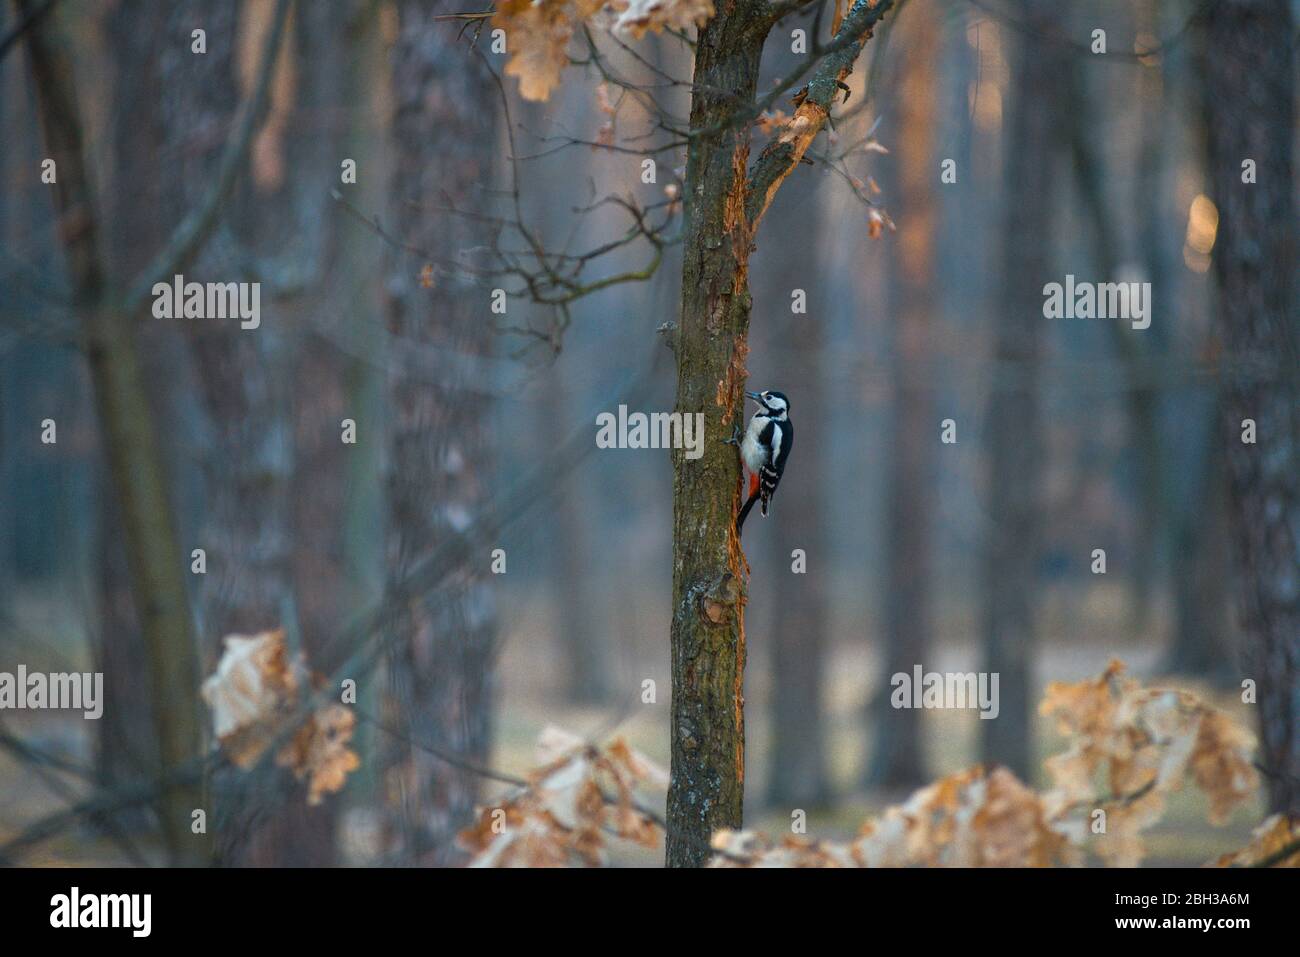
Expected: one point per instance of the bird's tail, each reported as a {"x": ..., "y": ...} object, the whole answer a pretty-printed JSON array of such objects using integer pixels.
[{"x": 749, "y": 503}]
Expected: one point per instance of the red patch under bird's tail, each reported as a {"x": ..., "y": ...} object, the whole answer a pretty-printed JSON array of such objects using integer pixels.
[{"x": 749, "y": 502}]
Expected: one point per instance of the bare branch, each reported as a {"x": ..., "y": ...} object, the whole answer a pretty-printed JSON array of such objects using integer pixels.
[{"x": 782, "y": 155}]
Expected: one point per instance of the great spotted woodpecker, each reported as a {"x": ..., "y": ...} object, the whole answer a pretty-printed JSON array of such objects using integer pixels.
[{"x": 764, "y": 449}]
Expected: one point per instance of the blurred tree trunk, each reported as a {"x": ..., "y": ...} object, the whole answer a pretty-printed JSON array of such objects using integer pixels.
[
  {"x": 126, "y": 747},
  {"x": 1148, "y": 410},
  {"x": 325, "y": 94},
  {"x": 1196, "y": 520},
  {"x": 359, "y": 272},
  {"x": 135, "y": 456},
  {"x": 8, "y": 458},
  {"x": 1012, "y": 419},
  {"x": 245, "y": 530},
  {"x": 1200, "y": 538},
  {"x": 1202, "y": 571},
  {"x": 439, "y": 465},
  {"x": 244, "y": 382},
  {"x": 337, "y": 72},
  {"x": 1135, "y": 349},
  {"x": 798, "y": 636},
  {"x": 8, "y": 476},
  {"x": 586, "y": 649},
  {"x": 797, "y": 624},
  {"x": 580, "y": 616},
  {"x": 1251, "y": 117},
  {"x": 897, "y": 757}
]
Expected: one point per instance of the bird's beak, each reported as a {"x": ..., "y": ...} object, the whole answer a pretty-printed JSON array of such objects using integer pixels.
[{"x": 753, "y": 395}]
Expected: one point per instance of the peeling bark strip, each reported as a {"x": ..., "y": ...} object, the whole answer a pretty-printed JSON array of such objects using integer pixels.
[{"x": 724, "y": 207}]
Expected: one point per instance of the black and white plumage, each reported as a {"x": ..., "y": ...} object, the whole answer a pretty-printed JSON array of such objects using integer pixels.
[{"x": 764, "y": 449}]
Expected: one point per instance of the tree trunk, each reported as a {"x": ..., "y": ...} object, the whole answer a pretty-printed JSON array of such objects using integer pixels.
[
  {"x": 292, "y": 226},
  {"x": 440, "y": 672},
  {"x": 1012, "y": 421},
  {"x": 706, "y": 789},
  {"x": 797, "y": 625},
  {"x": 335, "y": 68},
  {"x": 586, "y": 669},
  {"x": 246, "y": 527},
  {"x": 126, "y": 747},
  {"x": 1135, "y": 349},
  {"x": 8, "y": 456},
  {"x": 242, "y": 382},
  {"x": 799, "y": 633},
  {"x": 724, "y": 205},
  {"x": 1251, "y": 117},
  {"x": 135, "y": 458},
  {"x": 898, "y": 757},
  {"x": 126, "y": 743},
  {"x": 1202, "y": 572}
]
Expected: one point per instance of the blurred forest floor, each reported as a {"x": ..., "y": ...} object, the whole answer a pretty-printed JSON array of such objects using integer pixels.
[{"x": 528, "y": 700}]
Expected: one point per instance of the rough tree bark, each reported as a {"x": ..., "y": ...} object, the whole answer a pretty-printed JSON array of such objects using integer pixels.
[
  {"x": 1252, "y": 117},
  {"x": 725, "y": 201},
  {"x": 135, "y": 458},
  {"x": 1011, "y": 547},
  {"x": 897, "y": 757},
  {"x": 441, "y": 671}
]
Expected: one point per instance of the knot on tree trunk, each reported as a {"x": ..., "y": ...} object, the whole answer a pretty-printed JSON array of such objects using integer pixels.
[{"x": 720, "y": 600}]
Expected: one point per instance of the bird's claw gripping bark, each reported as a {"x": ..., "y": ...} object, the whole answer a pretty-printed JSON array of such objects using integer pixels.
[{"x": 735, "y": 437}]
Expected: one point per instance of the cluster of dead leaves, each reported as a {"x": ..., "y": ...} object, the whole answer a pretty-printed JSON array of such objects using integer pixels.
[
  {"x": 1129, "y": 747},
  {"x": 1135, "y": 745},
  {"x": 538, "y": 31},
  {"x": 975, "y": 818},
  {"x": 578, "y": 796},
  {"x": 254, "y": 695}
]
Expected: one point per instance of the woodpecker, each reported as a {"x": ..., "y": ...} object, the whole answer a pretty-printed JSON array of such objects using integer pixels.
[{"x": 764, "y": 449}]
